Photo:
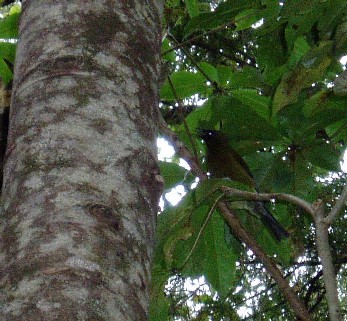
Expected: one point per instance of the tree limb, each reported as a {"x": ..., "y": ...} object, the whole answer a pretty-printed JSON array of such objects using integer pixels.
[
  {"x": 229, "y": 191},
  {"x": 324, "y": 252},
  {"x": 298, "y": 307}
]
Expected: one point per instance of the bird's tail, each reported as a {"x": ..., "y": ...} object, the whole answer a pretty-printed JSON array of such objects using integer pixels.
[{"x": 276, "y": 229}]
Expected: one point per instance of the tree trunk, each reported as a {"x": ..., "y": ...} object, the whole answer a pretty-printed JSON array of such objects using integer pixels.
[{"x": 81, "y": 180}]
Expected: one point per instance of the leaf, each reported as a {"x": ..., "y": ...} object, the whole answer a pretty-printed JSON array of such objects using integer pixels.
[
  {"x": 166, "y": 46},
  {"x": 254, "y": 100},
  {"x": 224, "y": 14},
  {"x": 301, "y": 17},
  {"x": 224, "y": 74},
  {"x": 242, "y": 122},
  {"x": 327, "y": 23},
  {"x": 310, "y": 69},
  {"x": 323, "y": 155},
  {"x": 197, "y": 116},
  {"x": 210, "y": 71},
  {"x": 249, "y": 77},
  {"x": 220, "y": 262},
  {"x": 7, "y": 51},
  {"x": 192, "y": 7},
  {"x": 301, "y": 47},
  {"x": 9, "y": 26},
  {"x": 171, "y": 244},
  {"x": 173, "y": 174},
  {"x": 341, "y": 37},
  {"x": 272, "y": 173},
  {"x": 185, "y": 83},
  {"x": 246, "y": 19}
]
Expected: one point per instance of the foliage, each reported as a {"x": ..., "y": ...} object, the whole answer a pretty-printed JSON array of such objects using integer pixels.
[{"x": 265, "y": 73}]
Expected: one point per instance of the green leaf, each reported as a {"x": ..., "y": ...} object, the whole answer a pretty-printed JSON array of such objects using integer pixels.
[
  {"x": 171, "y": 245},
  {"x": 210, "y": 71},
  {"x": 9, "y": 26},
  {"x": 301, "y": 17},
  {"x": 7, "y": 51},
  {"x": 173, "y": 174},
  {"x": 192, "y": 7},
  {"x": 220, "y": 262},
  {"x": 254, "y": 100},
  {"x": 327, "y": 23},
  {"x": 199, "y": 115},
  {"x": 246, "y": 19},
  {"x": 224, "y": 74},
  {"x": 341, "y": 37},
  {"x": 303, "y": 76},
  {"x": 166, "y": 46},
  {"x": 272, "y": 173},
  {"x": 323, "y": 155},
  {"x": 224, "y": 14},
  {"x": 185, "y": 83},
  {"x": 249, "y": 77},
  {"x": 301, "y": 47},
  {"x": 242, "y": 122}
]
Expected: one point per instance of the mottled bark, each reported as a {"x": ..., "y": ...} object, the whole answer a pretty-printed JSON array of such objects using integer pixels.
[{"x": 81, "y": 181}]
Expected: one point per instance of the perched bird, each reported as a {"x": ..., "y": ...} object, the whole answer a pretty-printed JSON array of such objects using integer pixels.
[{"x": 224, "y": 162}]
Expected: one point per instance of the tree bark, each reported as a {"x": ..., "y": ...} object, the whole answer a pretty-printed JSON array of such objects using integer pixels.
[{"x": 81, "y": 181}]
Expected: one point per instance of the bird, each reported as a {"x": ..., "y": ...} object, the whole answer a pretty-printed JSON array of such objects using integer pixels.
[{"x": 224, "y": 162}]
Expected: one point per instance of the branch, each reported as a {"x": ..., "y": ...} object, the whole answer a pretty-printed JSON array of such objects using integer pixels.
[
  {"x": 337, "y": 207},
  {"x": 238, "y": 230},
  {"x": 298, "y": 307},
  {"x": 324, "y": 252},
  {"x": 229, "y": 191}
]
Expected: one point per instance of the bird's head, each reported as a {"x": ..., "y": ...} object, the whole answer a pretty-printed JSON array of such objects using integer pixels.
[{"x": 211, "y": 136}]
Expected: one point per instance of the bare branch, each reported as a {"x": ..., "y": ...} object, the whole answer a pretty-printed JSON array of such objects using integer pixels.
[
  {"x": 270, "y": 265},
  {"x": 229, "y": 191},
  {"x": 324, "y": 252}
]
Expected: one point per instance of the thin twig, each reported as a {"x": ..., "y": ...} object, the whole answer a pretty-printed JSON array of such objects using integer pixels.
[
  {"x": 207, "y": 77},
  {"x": 180, "y": 45}
]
